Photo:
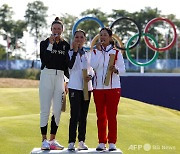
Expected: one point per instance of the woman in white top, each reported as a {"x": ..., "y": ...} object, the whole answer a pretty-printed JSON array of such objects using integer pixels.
[
  {"x": 106, "y": 97},
  {"x": 79, "y": 60}
]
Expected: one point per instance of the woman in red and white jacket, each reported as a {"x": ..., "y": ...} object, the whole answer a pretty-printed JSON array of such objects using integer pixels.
[{"x": 106, "y": 98}]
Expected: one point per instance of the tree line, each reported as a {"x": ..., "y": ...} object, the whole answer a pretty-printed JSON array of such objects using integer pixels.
[{"x": 35, "y": 22}]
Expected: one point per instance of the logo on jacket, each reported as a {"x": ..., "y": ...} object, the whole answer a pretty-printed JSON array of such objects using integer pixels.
[
  {"x": 64, "y": 47},
  {"x": 60, "y": 52}
]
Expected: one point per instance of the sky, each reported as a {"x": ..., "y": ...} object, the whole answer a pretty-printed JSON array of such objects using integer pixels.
[{"x": 75, "y": 7}]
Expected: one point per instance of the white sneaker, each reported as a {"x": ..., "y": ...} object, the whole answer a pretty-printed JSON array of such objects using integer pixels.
[
  {"x": 101, "y": 147},
  {"x": 45, "y": 145},
  {"x": 54, "y": 145},
  {"x": 71, "y": 146},
  {"x": 82, "y": 146},
  {"x": 112, "y": 147}
]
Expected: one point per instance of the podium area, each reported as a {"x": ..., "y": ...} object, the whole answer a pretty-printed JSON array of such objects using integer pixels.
[{"x": 65, "y": 150}]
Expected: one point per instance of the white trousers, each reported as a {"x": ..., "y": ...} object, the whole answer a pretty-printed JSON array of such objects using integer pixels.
[{"x": 51, "y": 92}]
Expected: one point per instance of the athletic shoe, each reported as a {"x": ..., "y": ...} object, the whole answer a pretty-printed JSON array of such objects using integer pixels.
[
  {"x": 54, "y": 145},
  {"x": 71, "y": 146},
  {"x": 101, "y": 147},
  {"x": 82, "y": 146},
  {"x": 112, "y": 147},
  {"x": 45, "y": 145}
]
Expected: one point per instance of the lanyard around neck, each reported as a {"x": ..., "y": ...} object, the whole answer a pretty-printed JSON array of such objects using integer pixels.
[{"x": 106, "y": 50}]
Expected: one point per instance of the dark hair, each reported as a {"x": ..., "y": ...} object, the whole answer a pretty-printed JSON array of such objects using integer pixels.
[
  {"x": 80, "y": 30},
  {"x": 57, "y": 21},
  {"x": 109, "y": 31}
]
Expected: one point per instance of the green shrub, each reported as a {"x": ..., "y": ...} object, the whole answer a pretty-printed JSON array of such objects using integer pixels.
[{"x": 33, "y": 74}]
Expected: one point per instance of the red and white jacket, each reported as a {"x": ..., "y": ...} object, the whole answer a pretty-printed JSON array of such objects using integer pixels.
[{"x": 99, "y": 62}]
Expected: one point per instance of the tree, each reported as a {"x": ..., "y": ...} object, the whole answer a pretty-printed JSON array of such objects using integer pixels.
[
  {"x": 68, "y": 20},
  {"x": 91, "y": 27},
  {"x": 35, "y": 17},
  {"x": 2, "y": 53},
  {"x": 17, "y": 32},
  {"x": 6, "y": 21},
  {"x": 5, "y": 17},
  {"x": 11, "y": 30}
]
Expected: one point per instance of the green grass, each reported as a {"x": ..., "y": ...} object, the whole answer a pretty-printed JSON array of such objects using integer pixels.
[{"x": 138, "y": 124}]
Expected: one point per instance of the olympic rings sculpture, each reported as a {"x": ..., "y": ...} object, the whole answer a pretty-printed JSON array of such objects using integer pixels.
[
  {"x": 136, "y": 24},
  {"x": 113, "y": 36},
  {"x": 139, "y": 34},
  {"x": 147, "y": 40},
  {"x": 83, "y": 19},
  {"x": 156, "y": 53},
  {"x": 86, "y": 18}
]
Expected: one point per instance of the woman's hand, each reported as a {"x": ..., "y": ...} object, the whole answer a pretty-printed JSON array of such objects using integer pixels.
[
  {"x": 52, "y": 39},
  {"x": 88, "y": 78},
  {"x": 66, "y": 87},
  {"x": 113, "y": 69},
  {"x": 98, "y": 46},
  {"x": 75, "y": 46}
]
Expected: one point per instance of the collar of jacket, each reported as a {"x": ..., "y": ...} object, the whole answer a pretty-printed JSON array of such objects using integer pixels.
[
  {"x": 108, "y": 48},
  {"x": 81, "y": 51}
]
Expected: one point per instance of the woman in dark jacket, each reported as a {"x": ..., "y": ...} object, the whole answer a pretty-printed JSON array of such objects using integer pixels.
[{"x": 54, "y": 59}]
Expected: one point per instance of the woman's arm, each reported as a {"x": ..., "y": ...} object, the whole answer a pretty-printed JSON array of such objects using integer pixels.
[
  {"x": 95, "y": 57},
  {"x": 120, "y": 66},
  {"x": 72, "y": 56}
]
